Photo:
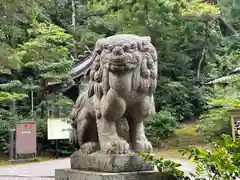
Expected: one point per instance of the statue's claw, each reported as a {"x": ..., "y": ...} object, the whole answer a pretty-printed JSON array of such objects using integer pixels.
[
  {"x": 115, "y": 146},
  {"x": 90, "y": 147},
  {"x": 143, "y": 146}
]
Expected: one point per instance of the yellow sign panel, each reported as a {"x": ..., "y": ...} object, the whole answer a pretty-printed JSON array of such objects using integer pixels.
[{"x": 58, "y": 128}]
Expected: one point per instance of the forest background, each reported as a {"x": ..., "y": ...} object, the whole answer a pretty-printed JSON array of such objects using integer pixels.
[{"x": 40, "y": 42}]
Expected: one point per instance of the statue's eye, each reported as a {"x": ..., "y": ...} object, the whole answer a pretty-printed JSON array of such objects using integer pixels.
[
  {"x": 133, "y": 46},
  {"x": 125, "y": 48},
  {"x": 99, "y": 51},
  {"x": 110, "y": 48},
  {"x": 105, "y": 46}
]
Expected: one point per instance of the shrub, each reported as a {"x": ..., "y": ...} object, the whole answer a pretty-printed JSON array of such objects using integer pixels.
[
  {"x": 214, "y": 123},
  {"x": 167, "y": 167},
  {"x": 4, "y": 138},
  {"x": 161, "y": 125},
  {"x": 8, "y": 119},
  {"x": 220, "y": 163}
]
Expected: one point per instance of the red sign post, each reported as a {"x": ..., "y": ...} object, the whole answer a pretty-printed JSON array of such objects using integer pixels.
[{"x": 26, "y": 142}]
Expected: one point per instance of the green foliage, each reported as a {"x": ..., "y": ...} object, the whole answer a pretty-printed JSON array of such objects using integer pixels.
[
  {"x": 35, "y": 54},
  {"x": 231, "y": 11},
  {"x": 202, "y": 11},
  {"x": 57, "y": 104},
  {"x": 5, "y": 96},
  {"x": 217, "y": 121},
  {"x": 165, "y": 166},
  {"x": 47, "y": 53},
  {"x": 214, "y": 123},
  {"x": 41, "y": 39},
  {"x": 220, "y": 163},
  {"x": 181, "y": 43},
  {"x": 8, "y": 91},
  {"x": 44, "y": 58},
  {"x": 8, "y": 119},
  {"x": 7, "y": 62},
  {"x": 161, "y": 125}
]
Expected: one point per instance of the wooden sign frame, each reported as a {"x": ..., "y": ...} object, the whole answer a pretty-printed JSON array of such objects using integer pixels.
[{"x": 235, "y": 116}]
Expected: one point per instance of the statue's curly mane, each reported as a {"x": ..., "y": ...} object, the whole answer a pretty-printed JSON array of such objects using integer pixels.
[{"x": 144, "y": 77}]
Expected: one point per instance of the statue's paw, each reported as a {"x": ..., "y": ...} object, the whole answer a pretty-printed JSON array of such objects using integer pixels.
[
  {"x": 143, "y": 146},
  {"x": 115, "y": 146},
  {"x": 89, "y": 147}
]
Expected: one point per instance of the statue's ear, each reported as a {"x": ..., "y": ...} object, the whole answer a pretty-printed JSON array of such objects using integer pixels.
[
  {"x": 148, "y": 47},
  {"x": 99, "y": 43},
  {"x": 146, "y": 39},
  {"x": 143, "y": 45}
]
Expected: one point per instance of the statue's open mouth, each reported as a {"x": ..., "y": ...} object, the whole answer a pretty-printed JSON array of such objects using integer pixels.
[{"x": 119, "y": 61}]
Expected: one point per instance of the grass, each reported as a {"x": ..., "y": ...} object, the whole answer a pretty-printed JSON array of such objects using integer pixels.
[
  {"x": 4, "y": 160},
  {"x": 186, "y": 136}
]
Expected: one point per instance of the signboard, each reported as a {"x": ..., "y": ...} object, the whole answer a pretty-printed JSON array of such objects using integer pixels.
[
  {"x": 26, "y": 141},
  {"x": 58, "y": 128},
  {"x": 235, "y": 121}
]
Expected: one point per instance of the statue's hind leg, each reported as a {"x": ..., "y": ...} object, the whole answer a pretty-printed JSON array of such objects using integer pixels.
[{"x": 87, "y": 135}]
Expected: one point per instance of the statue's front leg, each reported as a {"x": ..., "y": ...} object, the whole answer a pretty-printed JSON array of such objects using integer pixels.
[
  {"x": 112, "y": 108},
  {"x": 138, "y": 138}
]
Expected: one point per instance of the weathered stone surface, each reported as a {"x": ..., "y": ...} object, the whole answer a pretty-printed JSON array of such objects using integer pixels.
[
  {"x": 108, "y": 163},
  {"x": 122, "y": 82},
  {"x": 71, "y": 174}
]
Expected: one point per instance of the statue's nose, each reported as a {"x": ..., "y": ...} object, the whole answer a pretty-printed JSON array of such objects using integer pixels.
[{"x": 117, "y": 51}]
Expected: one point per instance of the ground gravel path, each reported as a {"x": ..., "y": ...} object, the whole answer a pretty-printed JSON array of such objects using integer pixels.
[
  {"x": 46, "y": 170},
  {"x": 34, "y": 171}
]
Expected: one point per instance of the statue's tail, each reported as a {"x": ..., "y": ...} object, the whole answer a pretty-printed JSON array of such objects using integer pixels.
[{"x": 75, "y": 137}]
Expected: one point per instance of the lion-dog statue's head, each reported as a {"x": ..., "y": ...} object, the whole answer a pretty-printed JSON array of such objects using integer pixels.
[{"x": 120, "y": 54}]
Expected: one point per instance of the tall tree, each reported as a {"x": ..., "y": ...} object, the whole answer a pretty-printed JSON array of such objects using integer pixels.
[{"x": 186, "y": 35}]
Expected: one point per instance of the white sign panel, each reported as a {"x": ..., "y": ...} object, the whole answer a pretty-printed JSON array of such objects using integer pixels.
[{"x": 58, "y": 128}]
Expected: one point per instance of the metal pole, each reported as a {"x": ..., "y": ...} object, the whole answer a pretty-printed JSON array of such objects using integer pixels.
[
  {"x": 32, "y": 100},
  {"x": 57, "y": 154},
  {"x": 32, "y": 97},
  {"x": 13, "y": 106},
  {"x": 11, "y": 142}
]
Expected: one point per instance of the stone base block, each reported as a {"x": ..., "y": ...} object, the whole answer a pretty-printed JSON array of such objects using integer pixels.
[
  {"x": 71, "y": 174},
  {"x": 109, "y": 163}
]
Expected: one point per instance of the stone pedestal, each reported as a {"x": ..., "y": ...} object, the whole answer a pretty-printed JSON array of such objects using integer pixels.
[
  {"x": 109, "y": 163},
  {"x": 72, "y": 174},
  {"x": 100, "y": 166}
]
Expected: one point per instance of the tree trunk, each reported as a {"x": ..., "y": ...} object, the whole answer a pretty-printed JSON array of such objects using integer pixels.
[{"x": 73, "y": 15}]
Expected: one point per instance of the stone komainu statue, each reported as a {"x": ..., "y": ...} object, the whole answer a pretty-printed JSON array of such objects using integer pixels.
[{"x": 123, "y": 79}]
